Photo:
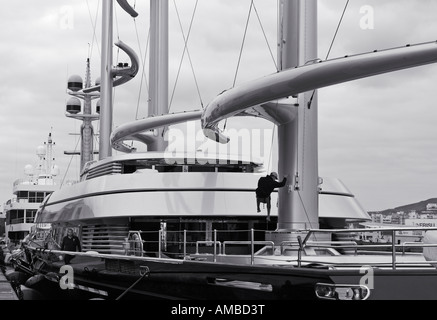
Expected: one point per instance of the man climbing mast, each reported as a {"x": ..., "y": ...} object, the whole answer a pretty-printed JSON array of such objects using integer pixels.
[{"x": 266, "y": 185}]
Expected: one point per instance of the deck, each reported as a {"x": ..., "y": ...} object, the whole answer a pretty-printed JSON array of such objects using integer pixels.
[{"x": 6, "y": 290}]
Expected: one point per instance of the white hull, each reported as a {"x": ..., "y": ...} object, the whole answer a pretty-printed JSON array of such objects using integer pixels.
[{"x": 173, "y": 194}]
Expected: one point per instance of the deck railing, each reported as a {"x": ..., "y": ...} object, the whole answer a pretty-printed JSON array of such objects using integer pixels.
[
  {"x": 299, "y": 245},
  {"x": 209, "y": 245},
  {"x": 391, "y": 246}
]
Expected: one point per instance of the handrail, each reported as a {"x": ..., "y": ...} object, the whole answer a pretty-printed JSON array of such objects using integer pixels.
[
  {"x": 221, "y": 248},
  {"x": 416, "y": 244},
  {"x": 322, "y": 244},
  {"x": 428, "y": 264},
  {"x": 252, "y": 243},
  {"x": 310, "y": 232},
  {"x": 217, "y": 243},
  {"x": 393, "y": 230},
  {"x": 369, "y": 229},
  {"x": 270, "y": 243}
]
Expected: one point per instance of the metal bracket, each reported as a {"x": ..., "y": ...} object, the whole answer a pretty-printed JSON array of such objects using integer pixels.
[
  {"x": 144, "y": 271},
  {"x": 296, "y": 181}
]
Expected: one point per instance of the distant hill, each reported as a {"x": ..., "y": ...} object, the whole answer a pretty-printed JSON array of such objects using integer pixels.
[{"x": 418, "y": 206}]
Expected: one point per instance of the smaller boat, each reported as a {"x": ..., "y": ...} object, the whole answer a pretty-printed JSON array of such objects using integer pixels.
[{"x": 29, "y": 193}]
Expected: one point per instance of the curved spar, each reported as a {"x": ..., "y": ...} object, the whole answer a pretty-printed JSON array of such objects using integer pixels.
[
  {"x": 257, "y": 96},
  {"x": 128, "y": 8},
  {"x": 140, "y": 130},
  {"x": 124, "y": 73}
]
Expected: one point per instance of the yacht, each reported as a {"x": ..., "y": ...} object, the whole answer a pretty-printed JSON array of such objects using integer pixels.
[
  {"x": 170, "y": 225},
  {"x": 29, "y": 193}
]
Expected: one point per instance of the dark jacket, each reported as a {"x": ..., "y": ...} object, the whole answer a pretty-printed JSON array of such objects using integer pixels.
[
  {"x": 70, "y": 244},
  {"x": 266, "y": 185}
]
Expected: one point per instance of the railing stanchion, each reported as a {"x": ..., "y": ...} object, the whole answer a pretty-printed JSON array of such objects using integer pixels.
[
  {"x": 299, "y": 252},
  {"x": 159, "y": 243},
  {"x": 252, "y": 247},
  {"x": 393, "y": 243},
  {"x": 215, "y": 245},
  {"x": 185, "y": 244}
]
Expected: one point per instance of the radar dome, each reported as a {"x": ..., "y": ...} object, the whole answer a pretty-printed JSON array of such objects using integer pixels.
[
  {"x": 73, "y": 105},
  {"x": 40, "y": 151},
  {"x": 75, "y": 83},
  {"x": 28, "y": 170}
]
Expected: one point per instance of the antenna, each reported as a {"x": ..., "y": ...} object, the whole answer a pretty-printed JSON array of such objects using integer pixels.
[{"x": 73, "y": 110}]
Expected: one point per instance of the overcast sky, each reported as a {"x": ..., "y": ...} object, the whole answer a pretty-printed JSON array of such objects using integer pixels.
[{"x": 378, "y": 135}]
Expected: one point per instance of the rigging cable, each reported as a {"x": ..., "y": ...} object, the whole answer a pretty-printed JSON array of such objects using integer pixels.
[
  {"x": 336, "y": 31},
  {"x": 278, "y": 29},
  {"x": 183, "y": 54},
  {"x": 252, "y": 5},
  {"x": 93, "y": 24},
  {"x": 271, "y": 148},
  {"x": 116, "y": 59},
  {"x": 71, "y": 159},
  {"x": 265, "y": 37},
  {"x": 332, "y": 43},
  {"x": 143, "y": 61},
  {"x": 144, "y": 275},
  {"x": 241, "y": 53},
  {"x": 242, "y": 43},
  {"x": 143, "y": 74}
]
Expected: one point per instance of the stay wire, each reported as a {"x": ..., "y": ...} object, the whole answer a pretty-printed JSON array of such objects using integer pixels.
[
  {"x": 336, "y": 31},
  {"x": 306, "y": 213},
  {"x": 69, "y": 164},
  {"x": 117, "y": 57},
  {"x": 331, "y": 45},
  {"x": 269, "y": 163},
  {"x": 241, "y": 53},
  {"x": 93, "y": 24},
  {"x": 242, "y": 43},
  {"x": 143, "y": 76},
  {"x": 183, "y": 54},
  {"x": 143, "y": 61},
  {"x": 265, "y": 37}
]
